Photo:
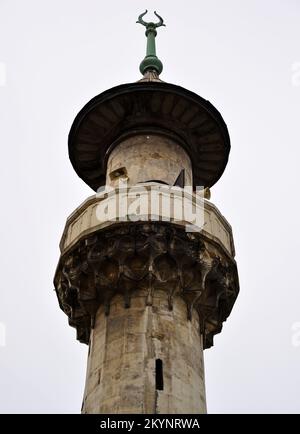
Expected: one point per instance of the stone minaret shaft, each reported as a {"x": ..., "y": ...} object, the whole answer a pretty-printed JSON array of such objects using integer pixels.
[
  {"x": 147, "y": 288},
  {"x": 145, "y": 359}
]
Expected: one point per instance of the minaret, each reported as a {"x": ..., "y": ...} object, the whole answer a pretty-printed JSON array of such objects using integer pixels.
[{"x": 147, "y": 274}]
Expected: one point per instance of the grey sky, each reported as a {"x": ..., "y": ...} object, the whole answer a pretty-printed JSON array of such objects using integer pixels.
[{"x": 243, "y": 56}]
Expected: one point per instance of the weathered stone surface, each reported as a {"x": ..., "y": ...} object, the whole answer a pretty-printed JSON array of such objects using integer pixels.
[
  {"x": 148, "y": 157},
  {"x": 121, "y": 370}
]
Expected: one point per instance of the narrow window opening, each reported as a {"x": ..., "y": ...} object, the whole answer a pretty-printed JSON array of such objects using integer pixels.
[
  {"x": 159, "y": 376},
  {"x": 118, "y": 173}
]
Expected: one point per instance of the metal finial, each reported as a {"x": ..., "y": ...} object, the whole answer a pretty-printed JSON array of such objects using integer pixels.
[
  {"x": 155, "y": 25},
  {"x": 151, "y": 61}
]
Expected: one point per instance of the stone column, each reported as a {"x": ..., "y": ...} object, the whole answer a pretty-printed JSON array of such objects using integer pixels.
[{"x": 146, "y": 359}]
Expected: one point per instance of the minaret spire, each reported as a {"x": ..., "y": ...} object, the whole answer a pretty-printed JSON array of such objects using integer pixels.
[{"x": 151, "y": 62}]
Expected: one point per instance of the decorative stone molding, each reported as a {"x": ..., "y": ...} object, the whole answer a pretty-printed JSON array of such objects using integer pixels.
[
  {"x": 85, "y": 219},
  {"x": 146, "y": 257}
]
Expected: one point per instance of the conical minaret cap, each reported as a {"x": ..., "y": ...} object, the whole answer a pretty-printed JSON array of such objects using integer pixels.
[{"x": 149, "y": 106}]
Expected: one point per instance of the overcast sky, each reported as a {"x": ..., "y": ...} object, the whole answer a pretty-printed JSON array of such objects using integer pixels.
[{"x": 244, "y": 57}]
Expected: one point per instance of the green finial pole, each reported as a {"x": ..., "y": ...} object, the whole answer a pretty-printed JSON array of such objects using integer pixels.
[{"x": 151, "y": 61}]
